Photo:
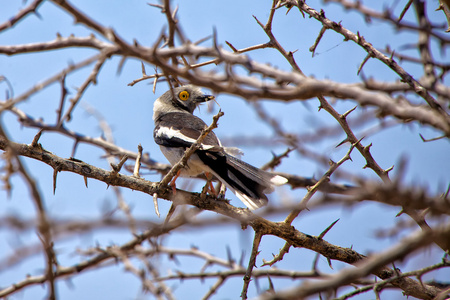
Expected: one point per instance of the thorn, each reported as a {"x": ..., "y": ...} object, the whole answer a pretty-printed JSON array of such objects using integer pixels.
[
  {"x": 329, "y": 263},
  {"x": 143, "y": 69},
  {"x": 396, "y": 270},
  {"x": 447, "y": 192},
  {"x": 327, "y": 229},
  {"x": 271, "y": 286},
  {"x": 402, "y": 14},
  {"x": 421, "y": 136},
  {"x": 231, "y": 46},
  {"x": 432, "y": 139},
  {"x": 55, "y": 173},
  {"x": 155, "y": 203},
  {"x": 241, "y": 259},
  {"x": 289, "y": 9},
  {"x": 344, "y": 115},
  {"x": 38, "y": 15},
  {"x": 116, "y": 168},
  {"x": 391, "y": 58},
  {"x": 343, "y": 142},
  {"x": 367, "y": 148},
  {"x": 322, "y": 13},
  {"x": 419, "y": 278},
  {"x": 154, "y": 84},
  {"x": 137, "y": 164},
  {"x": 316, "y": 260},
  {"x": 230, "y": 256},
  {"x": 363, "y": 63},
  {"x": 74, "y": 148},
  {"x": 215, "y": 40},
  {"x": 185, "y": 62},
  {"x": 85, "y": 181},
  {"x": 36, "y": 138},
  {"x": 357, "y": 142},
  {"x": 169, "y": 214},
  {"x": 400, "y": 213},
  {"x": 388, "y": 169}
]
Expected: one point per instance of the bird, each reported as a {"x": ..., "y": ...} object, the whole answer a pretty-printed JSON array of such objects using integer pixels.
[{"x": 177, "y": 128}]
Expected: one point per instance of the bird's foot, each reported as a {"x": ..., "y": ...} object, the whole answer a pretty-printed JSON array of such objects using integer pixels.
[{"x": 173, "y": 184}]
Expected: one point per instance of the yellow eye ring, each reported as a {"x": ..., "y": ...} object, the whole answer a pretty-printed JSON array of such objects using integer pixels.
[{"x": 184, "y": 95}]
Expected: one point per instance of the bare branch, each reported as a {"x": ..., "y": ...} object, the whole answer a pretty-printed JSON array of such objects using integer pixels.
[{"x": 30, "y": 9}]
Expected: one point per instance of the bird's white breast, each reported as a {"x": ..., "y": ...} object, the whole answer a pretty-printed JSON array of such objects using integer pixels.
[{"x": 194, "y": 166}]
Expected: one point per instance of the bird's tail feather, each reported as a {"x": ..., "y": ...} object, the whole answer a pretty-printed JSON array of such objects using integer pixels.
[{"x": 249, "y": 183}]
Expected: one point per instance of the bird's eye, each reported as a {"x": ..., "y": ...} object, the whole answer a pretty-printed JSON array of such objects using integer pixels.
[{"x": 184, "y": 95}]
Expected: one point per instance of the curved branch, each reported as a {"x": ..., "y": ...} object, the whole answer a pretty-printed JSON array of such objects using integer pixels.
[{"x": 21, "y": 14}]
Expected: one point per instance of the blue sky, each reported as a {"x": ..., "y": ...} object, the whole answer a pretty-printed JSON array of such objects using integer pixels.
[{"x": 129, "y": 109}]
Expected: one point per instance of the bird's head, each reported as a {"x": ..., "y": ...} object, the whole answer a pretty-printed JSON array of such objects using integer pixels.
[{"x": 184, "y": 98}]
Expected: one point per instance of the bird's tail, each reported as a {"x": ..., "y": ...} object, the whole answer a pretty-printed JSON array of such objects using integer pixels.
[{"x": 249, "y": 183}]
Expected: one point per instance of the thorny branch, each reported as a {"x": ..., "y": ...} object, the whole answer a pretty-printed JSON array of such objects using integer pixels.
[
  {"x": 44, "y": 234},
  {"x": 357, "y": 38}
]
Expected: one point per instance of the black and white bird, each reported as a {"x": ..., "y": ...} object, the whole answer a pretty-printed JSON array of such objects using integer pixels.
[{"x": 176, "y": 129}]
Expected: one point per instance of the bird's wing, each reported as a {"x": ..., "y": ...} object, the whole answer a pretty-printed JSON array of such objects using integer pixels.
[{"x": 177, "y": 129}]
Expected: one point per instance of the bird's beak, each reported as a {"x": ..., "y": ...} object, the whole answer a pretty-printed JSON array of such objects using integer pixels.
[{"x": 204, "y": 98}]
